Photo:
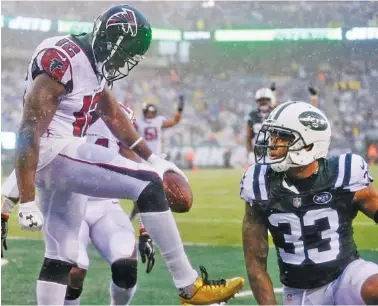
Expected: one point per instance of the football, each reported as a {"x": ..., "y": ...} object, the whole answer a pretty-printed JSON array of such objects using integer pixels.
[{"x": 178, "y": 192}]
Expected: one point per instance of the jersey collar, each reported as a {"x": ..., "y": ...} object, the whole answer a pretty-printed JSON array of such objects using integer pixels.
[{"x": 87, "y": 49}]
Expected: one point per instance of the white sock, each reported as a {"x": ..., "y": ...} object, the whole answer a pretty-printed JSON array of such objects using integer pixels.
[
  {"x": 49, "y": 293},
  {"x": 163, "y": 231},
  {"x": 120, "y": 296},
  {"x": 72, "y": 302}
]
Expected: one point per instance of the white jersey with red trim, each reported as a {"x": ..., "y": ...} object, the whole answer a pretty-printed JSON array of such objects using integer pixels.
[
  {"x": 99, "y": 133},
  {"x": 65, "y": 61},
  {"x": 151, "y": 131}
]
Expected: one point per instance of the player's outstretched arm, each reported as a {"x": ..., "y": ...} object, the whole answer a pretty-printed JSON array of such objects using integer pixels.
[
  {"x": 367, "y": 201},
  {"x": 256, "y": 248},
  {"x": 39, "y": 109},
  {"x": 177, "y": 117},
  {"x": 121, "y": 127}
]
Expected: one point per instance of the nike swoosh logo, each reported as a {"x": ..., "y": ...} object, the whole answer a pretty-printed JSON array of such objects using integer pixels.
[{"x": 291, "y": 188}]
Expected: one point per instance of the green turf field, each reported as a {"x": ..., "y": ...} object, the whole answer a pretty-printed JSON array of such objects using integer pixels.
[{"x": 212, "y": 228}]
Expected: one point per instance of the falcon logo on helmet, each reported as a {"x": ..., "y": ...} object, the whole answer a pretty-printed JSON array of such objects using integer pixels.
[
  {"x": 126, "y": 19},
  {"x": 121, "y": 37}
]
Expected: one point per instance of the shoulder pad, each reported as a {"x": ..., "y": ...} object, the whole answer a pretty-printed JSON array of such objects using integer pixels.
[
  {"x": 56, "y": 64},
  {"x": 352, "y": 173},
  {"x": 254, "y": 184}
]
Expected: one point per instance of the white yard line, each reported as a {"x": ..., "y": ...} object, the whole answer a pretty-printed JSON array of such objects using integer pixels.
[
  {"x": 249, "y": 292},
  {"x": 4, "y": 261}
]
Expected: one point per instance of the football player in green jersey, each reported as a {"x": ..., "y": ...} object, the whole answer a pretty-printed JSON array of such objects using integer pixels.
[{"x": 308, "y": 202}]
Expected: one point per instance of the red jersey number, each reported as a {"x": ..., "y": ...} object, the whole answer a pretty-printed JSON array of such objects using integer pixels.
[
  {"x": 83, "y": 117},
  {"x": 150, "y": 133},
  {"x": 68, "y": 46}
]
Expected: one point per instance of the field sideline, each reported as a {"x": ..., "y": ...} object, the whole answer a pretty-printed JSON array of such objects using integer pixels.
[{"x": 216, "y": 217}]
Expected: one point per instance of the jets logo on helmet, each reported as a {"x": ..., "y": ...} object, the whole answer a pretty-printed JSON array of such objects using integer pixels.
[
  {"x": 313, "y": 121},
  {"x": 126, "y": 19}
]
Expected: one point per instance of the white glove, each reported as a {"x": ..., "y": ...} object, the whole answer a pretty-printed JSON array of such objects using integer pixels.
[
  {"x": 30, "y": 217},
  {"x": 251, "y": 158},
  {"x": 161, "y": 166}
]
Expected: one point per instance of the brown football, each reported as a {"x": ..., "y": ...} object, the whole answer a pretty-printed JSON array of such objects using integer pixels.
[{"x": 178, "y": 192}]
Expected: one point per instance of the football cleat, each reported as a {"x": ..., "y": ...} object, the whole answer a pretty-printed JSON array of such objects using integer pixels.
[{"x": 212, "y": 291}]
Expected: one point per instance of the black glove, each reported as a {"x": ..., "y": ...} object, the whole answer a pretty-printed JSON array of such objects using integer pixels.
[
  {"x": 147, "y": 251},
  {"x": 180, "y": 106},
  {"x": 4, "y": 234},
  {"x": 273, "y": 86},
  {"x": 312, "y": 90}
]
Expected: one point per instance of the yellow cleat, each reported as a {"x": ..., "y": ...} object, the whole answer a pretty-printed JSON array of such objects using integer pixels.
[{"x": 212, "y": 291}]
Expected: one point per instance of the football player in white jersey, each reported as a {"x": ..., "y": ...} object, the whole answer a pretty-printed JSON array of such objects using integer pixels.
[
  {"x": 105, "y": 224},
  {"x": 308, "y": 202},
  {"x": 150, "y": 125},
  {"x": 66, "y": 81}
]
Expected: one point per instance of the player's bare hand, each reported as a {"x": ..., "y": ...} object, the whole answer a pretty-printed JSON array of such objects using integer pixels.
[
  {"x": 30, "y": 217},
  {"x": 181, "y": 103},
  {"x": 161, "y": 166},
  {"x": 147, "y": 251},
  {"x": 312, "y": 91}
]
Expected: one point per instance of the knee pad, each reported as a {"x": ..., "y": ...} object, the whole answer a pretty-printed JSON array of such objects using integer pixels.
[
  {"x": 152, "y": 198},
  {"x": 55, "y": 271},
  {"x": 124, "y": 272},
  {"x": 73, "y": 293}
]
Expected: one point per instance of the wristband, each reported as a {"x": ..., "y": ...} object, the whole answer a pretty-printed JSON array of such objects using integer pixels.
[
  {"x": 7, "y": 207},
  {"x": 136, "y": 143}
]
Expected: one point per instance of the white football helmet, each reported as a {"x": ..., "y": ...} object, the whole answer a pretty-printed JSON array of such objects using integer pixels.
[
  {"x": 305, "y": 126},
  {"x": 266, "y": 93}
]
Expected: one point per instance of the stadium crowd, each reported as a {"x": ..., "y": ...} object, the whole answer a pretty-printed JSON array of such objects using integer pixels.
[
  {"x": 197, "y": 15},
  {"x": 218, "y": 104},
  {"x": 220, "y": 87}
]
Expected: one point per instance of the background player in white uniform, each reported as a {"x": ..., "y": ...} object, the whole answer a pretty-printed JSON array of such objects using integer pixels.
[
  {"x": 308, "y": 203},
  {"x": 105, "y": 224},
  {"x": 65, "y": 82},
  {"x": 151, "y": 126}
]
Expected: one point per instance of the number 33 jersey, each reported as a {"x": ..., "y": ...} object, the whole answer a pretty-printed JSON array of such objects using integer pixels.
[
  {"x": 64, "y": 60},
  {"x": 311, "y": 226}
]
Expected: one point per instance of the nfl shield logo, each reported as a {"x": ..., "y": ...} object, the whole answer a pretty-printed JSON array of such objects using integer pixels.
[{"x": 297, "y": 202}]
